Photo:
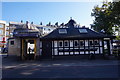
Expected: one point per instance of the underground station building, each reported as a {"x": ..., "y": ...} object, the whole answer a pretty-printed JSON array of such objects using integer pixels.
[{"x": 69, "y": 40}]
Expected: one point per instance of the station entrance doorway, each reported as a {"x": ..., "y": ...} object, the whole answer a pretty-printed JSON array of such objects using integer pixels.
[{"x": 28, "y": 51}]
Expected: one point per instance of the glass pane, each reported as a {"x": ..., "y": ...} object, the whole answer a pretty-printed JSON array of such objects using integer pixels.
[
  {"x": 62, "y": 31},
  {"x": 76, "y": 43},
  {"x": 81, "y": 43},
  {"x": 83, "y": 31},
  {"x": 1, "y": 32},
  {"x": 1, "y": 26},
  {"x": 66, "y": 43},
  {"x": 1, "y": 38},
  {"x": 60, "y": 44}
]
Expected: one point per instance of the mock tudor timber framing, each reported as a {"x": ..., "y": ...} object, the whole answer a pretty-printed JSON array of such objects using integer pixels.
[
  {"x": 85, "y": 49},
  {"x": 72, "y": 42},
  {"x": 75, "y": 43}
]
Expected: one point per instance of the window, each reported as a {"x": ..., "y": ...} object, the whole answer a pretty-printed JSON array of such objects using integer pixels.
[
  {"x": 1, "y": 38},
  {"x": 1, "y": 26},
  {"x": 91, "y": 42},
  {"x": 7, "y": 33},
  {"x": 12, "y": 42},
  {"x": 1, "y": 32},
  {"x": 96, "y": 42},
  {"x": 76, "y": 43},
  {"x": 83, "y": 31},
  {"x": 66, "y": 43},
  {"x": 60, "y": 44},
  {"x": 62, "y": 31},
  {"x": 7, "y": 28},
  {"x": 49, "y": 30},
  {"x": 81, "y": 43}
]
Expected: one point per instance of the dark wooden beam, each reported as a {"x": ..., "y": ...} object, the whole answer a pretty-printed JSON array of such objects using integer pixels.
[
  {"x": 88, "y": 47},
  {"x": 99, "y": 46},
  {"x": 63, "y": 48},
  {"x": 69, "y": 46},
  {"x": 84, "y": 47},
  {"x": 103, "y": 46}
]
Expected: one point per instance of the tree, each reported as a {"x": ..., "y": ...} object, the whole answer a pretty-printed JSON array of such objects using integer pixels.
[
  {"x": 116, "y": 12},
  {"x": 103, "y": 18},
  {"x": 116, "y": 15}
]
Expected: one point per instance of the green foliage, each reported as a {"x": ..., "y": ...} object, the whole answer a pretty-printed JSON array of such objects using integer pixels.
[
  {"x": 106, "y": 17},
  {"x": 118, "y": 37}
]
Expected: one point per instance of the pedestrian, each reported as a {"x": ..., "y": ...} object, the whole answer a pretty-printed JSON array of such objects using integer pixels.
[
  {"x": 2, "y": 49},
  {"x": 29, "y": 50}
]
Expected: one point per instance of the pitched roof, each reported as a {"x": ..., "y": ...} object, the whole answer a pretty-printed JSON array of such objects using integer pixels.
[
  {"x": 74, "y": 33},
  {"x": 24, "y": 32}
]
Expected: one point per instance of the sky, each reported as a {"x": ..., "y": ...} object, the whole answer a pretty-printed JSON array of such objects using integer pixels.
[{"x": 46, "y": 12}]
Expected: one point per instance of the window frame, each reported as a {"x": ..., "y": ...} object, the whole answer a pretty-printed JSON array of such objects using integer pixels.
[
  {"x": 75, "y": 43},
  {"x": 90, "y": 42},
  {"x": 83, "y": 31},
  {"x": 12, "y": 42},
  {"x": 62, "y": 32},
  {"x": 95, "y": 42},
  {"x": 60, "y": 44},
  {"x": 1, "y": 26},
  {"x": 67, "y": 44},
  {"x": 1, "y": 32},
  {"x": 82, "y": 43}
]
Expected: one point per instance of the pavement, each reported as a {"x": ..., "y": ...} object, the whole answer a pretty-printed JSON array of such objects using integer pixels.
[{"x": 70, "y": 68}]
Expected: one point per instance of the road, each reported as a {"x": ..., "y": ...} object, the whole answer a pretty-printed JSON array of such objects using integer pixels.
[{"x": 12, "y": 68}]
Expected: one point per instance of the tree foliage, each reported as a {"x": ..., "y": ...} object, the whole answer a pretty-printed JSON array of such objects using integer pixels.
[{"x": 106, "y": 17}]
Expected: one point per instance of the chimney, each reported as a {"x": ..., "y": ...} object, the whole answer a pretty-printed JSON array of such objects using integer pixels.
[
  {"x": 27, "y": 22},
  {"x": 31, "y": 22},
  {"x": 21, "y": 21}
]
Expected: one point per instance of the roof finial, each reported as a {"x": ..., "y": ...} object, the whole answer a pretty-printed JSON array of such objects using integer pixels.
[{"x": 70, "y": 17}]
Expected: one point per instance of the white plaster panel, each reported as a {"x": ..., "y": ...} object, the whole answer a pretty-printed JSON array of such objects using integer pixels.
[
  {"x": 76, "y": 48},
  {"x": 66, "y": 53},
  {"x": 71, "y": 48},
  {"x": 66, "y": 48},
  {"x": 110, "y": 47},
  {"x": 100, "y": 43},
  {"x": 101, "y": 49},
  {"x": 60, "y": 53},
  {"x": 91, "y": 51},
  {"x": 71, "y": 52},
  {"x": 55, "y": 52},
  {"x": 40, "y": 51},
  {"x": 82, "y": 52},
  {"x": 71, "y": 43},
  {"x": 60, "y": 48},
  {"x": 55, "y": 43},
  {"x": 86, "y": 42},
  {"x": 76, "y": 52}
]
